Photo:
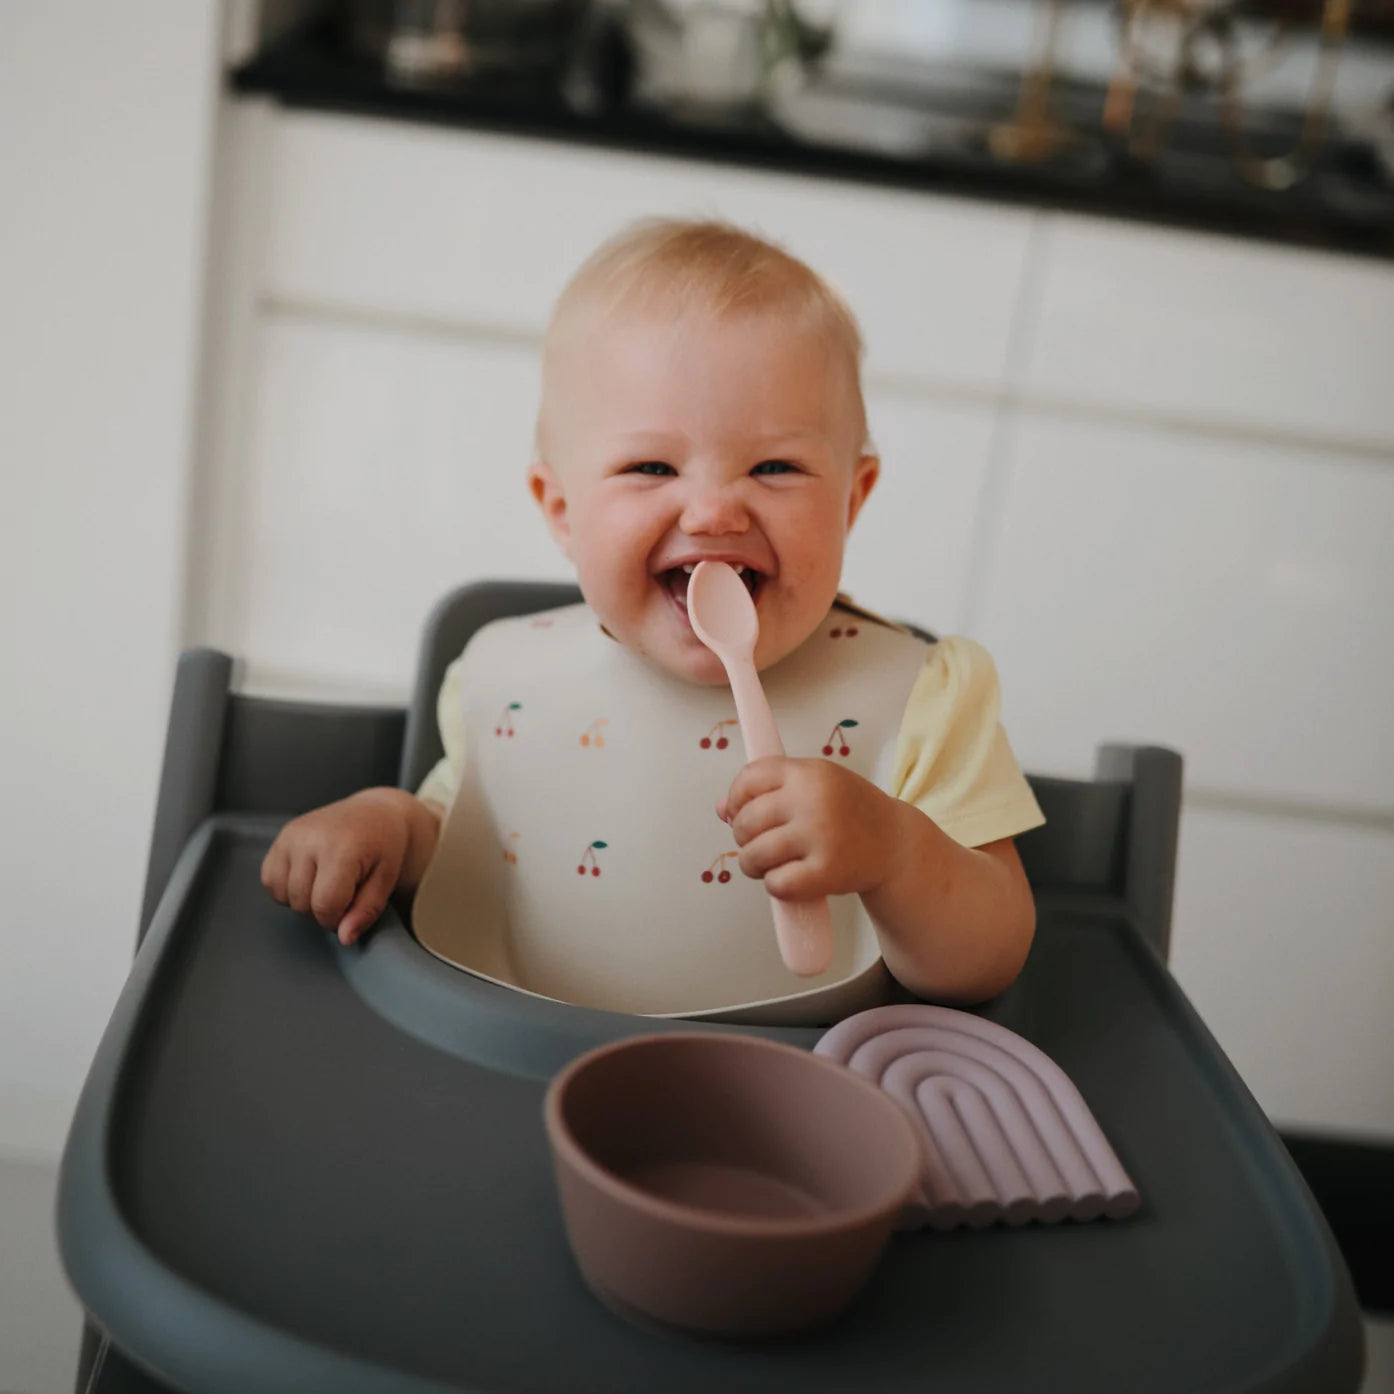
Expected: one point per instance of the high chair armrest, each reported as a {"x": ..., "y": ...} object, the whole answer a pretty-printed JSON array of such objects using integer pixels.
[
  {"x": 229, "y": 753},
  {"x": 189, "y": 772}
]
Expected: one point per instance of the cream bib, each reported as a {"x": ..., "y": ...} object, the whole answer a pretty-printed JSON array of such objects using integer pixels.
[{"x": 582, "y": 858}]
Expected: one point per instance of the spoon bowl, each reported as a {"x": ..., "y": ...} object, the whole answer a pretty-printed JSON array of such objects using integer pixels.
[{"x": 722, "y": 611}]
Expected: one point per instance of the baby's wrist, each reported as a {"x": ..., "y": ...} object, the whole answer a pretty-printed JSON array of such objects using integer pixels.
[
  {"x": 399, "y": 802},
  {"x": 424, "y": 822},
  {"x": 383, "y": 795},
  {"x": 895, "y": 838}
]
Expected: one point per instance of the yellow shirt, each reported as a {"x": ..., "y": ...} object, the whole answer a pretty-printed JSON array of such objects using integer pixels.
[{"x": 953, "y": 761}]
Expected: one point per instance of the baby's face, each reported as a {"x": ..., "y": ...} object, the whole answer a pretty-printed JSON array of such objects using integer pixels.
[{"x": 669, "y": 442}]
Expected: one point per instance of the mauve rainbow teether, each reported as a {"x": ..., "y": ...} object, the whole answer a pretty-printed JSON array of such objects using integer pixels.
[{"x": 1005, "y": 1134}]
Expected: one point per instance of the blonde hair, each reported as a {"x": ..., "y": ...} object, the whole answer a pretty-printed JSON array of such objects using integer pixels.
[{"x": 675, "y": 266}]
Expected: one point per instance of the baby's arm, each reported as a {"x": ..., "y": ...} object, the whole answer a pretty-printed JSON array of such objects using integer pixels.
[
  {"x": 954, "y": 922},
  {"x": 342, "y": 862}
]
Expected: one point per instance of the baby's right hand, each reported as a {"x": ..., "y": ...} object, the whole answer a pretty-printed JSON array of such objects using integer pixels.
[{"x": 340, "y": 863}]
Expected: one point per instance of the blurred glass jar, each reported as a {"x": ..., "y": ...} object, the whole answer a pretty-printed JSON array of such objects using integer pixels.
[
  {"x": 716, "y": 56},
  {"x": 435, "y": 41}
]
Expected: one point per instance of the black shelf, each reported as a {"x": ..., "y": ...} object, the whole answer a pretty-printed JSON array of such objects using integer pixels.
[{"x": 1342, "y": 206}]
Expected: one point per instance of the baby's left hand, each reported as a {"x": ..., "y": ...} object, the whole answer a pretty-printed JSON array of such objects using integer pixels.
[{"x": 811, "y": 828}]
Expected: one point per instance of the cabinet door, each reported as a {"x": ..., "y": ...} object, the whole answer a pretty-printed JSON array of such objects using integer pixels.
[
  {"x": 463, "y": 228},
  {"x": 1229, "y": 599},
  {"x": 384, "y": 469},
  {"x": 1212, "y": 329},
  {"x": 909, "y": 553},
  {"x": 1284, "y": 940}
]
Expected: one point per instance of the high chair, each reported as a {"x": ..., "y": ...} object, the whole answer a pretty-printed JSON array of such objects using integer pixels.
[{"x": 297, "y": 1167}]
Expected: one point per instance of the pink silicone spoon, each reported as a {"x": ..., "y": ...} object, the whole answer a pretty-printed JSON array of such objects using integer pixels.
[{"x": 724, "y": 619}]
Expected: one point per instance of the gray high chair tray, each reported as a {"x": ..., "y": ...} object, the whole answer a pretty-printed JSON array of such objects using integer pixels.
[{"x": 298, "y": 1167}]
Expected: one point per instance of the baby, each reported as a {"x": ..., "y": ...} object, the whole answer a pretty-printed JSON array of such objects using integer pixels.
[{"x": 701, "y": 400}]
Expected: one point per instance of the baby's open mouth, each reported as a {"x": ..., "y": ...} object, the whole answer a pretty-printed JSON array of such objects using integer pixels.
[{"x": 675, "y": 579}]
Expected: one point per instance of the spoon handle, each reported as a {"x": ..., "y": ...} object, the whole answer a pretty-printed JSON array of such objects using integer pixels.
[
  {"x": 803, "y": 929},
  {"x": 759, "y": 734}
]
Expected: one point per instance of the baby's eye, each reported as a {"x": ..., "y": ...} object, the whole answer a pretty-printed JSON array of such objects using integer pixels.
[
  {"x": 657, "y": 468},
  {"x": 775, "y": 467}
]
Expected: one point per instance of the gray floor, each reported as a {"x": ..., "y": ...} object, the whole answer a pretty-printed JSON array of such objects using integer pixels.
[{"x": 39, "y": 1318}]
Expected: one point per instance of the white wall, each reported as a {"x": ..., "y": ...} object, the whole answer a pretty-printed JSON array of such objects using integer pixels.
[{"x": 105, "y": 123}]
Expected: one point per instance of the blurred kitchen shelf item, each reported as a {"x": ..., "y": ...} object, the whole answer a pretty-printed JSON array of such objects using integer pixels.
[{"x": 904, "y": 133}]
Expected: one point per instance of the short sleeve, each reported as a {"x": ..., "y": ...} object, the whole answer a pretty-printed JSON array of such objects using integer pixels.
[
  {"x": 953, "y": 761},
  {"x": 440, "y": 784}
]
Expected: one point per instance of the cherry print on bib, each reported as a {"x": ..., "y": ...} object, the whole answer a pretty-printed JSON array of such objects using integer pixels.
[
  {"x": 593, "y": 737},
  {"x": 504, "y": 725},
  {"x": 588, "y": 861},
  {"x": 840, "y": 632},
  {"x": 837, "y": 739},
  {"x": 717, "y": 870},
  {"x": 717, "y": 735}
]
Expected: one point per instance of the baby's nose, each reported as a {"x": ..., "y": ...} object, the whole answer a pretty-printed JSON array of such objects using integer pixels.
[{"x": 714, "y": 513}]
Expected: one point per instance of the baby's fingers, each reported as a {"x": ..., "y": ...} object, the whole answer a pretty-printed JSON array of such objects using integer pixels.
[
  {"x": 754, "y": 779},
  {"x": 300, "y": 881},
  {"x": 771, "y": 850},
  {"x": 759, "y": 816},
  {"x": 798, "y": 879},
  {"x": 336, "y": 881},
  {"x": 275, "y": 871},
  {"x": 369, "y": 903}
]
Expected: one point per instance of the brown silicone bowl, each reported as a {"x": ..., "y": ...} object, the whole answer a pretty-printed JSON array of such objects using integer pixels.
[{"x": 726, "y": 1184}]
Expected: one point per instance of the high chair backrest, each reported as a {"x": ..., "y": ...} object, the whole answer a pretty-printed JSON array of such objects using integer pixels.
[{"x": 1113, "y": 836}]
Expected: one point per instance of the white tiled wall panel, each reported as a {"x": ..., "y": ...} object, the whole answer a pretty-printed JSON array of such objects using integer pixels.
[
  {"x": 1284, "y": 941},
  {"x": 1210, "y": 328},
  {"x": 486, "y": 229},
  {"x": 908, "y": 556},
  {"x": 386, "y": 469},
  {"x": 1230, "y": 599}
]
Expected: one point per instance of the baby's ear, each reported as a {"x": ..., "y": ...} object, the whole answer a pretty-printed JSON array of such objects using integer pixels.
[
  {"x": 865, "y": 473},
  {"x": 544, "y": 486}
]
